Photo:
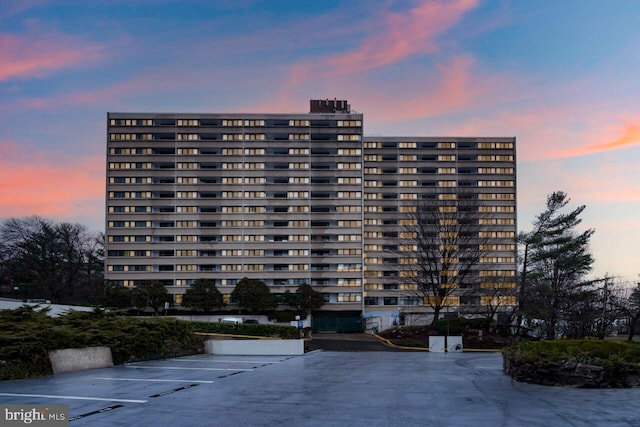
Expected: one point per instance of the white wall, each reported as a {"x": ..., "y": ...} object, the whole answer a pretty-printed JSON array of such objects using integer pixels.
[{"x": 256, "y": 347}]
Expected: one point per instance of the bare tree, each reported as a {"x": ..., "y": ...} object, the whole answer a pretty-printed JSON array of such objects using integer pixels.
[
  {"x": 627, "y": 304},
  {"x": 499, "y": 302},
  {"x": 49, "y": 259},
  {"x": 442, "y": 242}
]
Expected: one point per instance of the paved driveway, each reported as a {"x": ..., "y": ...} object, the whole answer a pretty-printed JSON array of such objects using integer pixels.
[{"x": 322, "y": 389}]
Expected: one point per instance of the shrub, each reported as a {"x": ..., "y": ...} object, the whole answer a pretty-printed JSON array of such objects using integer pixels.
[
  {"x": 252, "y": 329},
  {"x": 459, "y": 325},
  {"x": 282, "y": 316},
  {"x": 592, "y": 352},
  {"x": 575, "y": 363},
  {"x": 29, "y": 335}
]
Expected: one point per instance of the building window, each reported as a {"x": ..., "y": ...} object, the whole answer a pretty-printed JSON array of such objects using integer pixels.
[
  {"x": 407, "y": 145},
  {"x": 497, "y": 273},
  {"x": 446, "y": 145},
  {"x": 408, "y": 170},
  {"x": 349, "y": 152},
  {"x": 349, "y": 137},
  {"x": 349, "y": 297},
  {"x": 187, "y": 122},
  {"x": 502, "y": 209},
  {"x": 187, "y": 137},
  {"x": 493, "y": 158}
]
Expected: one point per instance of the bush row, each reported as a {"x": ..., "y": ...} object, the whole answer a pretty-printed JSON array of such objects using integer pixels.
[
  {"x": 575, "y": 363},
  {"x": 27, "y": 335},
  {"x": 252, "y": 329},
  {"x": 593, "y": 352},
  {"x": 461, "y": 325}
]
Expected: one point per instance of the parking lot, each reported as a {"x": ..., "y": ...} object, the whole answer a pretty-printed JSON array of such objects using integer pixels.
[{"x": 321, "y": 389}]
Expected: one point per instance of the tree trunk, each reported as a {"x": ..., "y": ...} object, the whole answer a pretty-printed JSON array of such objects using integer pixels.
[
  {"x": 436, "y": 315},
  {"x": 632, "y": 327}
]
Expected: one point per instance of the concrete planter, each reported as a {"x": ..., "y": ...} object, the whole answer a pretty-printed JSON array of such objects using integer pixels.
[
  {"x": 255, "y": 347},
  {"x": 80, "y": 359},
  {"x": 437, "y": 344}
]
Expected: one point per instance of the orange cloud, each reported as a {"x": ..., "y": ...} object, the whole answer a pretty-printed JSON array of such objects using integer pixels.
[
  {"x": 33, "y": 183},
  {"x": 630, "y": 137},
  {"x": 33, "y": 55}
]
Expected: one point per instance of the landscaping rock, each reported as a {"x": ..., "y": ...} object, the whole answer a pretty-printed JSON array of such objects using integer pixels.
[{"x": 570, "y": 374}]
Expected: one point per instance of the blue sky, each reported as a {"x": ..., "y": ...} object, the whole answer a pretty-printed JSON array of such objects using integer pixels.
[{"x": 560, "y": 76}]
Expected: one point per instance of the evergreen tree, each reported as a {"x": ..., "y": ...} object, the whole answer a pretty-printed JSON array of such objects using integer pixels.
[
  {"x": 203, "y": 296},
  {"x": 254, "y": 295},
  {"x": 151, "y": 294},
  {"x": 555, "y": 260},
  {"x": 57, "y": 261},
  {"x": 304, "y": 300}
]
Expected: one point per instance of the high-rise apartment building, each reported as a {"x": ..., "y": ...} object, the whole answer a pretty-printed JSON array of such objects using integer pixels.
[
  {"x": 440, "y": 212},
  {"x": 291, "y": 199}
]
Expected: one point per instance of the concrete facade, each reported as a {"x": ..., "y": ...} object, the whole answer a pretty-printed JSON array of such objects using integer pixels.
[{"x": 302, "y": 198}]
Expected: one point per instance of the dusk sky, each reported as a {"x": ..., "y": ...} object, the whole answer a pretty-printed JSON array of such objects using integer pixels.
[{"x": 563, "y": 77}]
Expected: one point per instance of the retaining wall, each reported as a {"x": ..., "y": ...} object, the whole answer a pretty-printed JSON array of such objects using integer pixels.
[
  {"x": 80, "y": 359},
  {"x": 256, "y": 347}
]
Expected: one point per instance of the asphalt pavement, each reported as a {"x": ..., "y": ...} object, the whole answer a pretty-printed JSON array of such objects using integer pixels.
[
  {"x": 346, "y": 342},
  {"x": 321, "y": 388}
]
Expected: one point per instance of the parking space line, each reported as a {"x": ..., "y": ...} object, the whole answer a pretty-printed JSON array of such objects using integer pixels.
[
  {"x": 53, "y": 396},
  {"x": 152, "y": 380},
  {"x": 192, "y": 369},
  {"x": 225, "y": 361}
]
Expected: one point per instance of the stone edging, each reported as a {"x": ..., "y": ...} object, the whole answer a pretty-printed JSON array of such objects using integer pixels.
[{"x": 571, "y": 374}]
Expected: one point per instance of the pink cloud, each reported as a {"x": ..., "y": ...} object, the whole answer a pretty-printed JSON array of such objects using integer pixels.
[
  {"x": 388, "y": 38},
  {"x": 455, "y": 86},
  {"x": 619, "y": 186},
  {"x": 36, "y": 54},
  {"x": 400, "y": 35},
  {"x": 32, "y": 183},
  {"x": 103, "y": 95},
  {"x": 11, "y": 8}
]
